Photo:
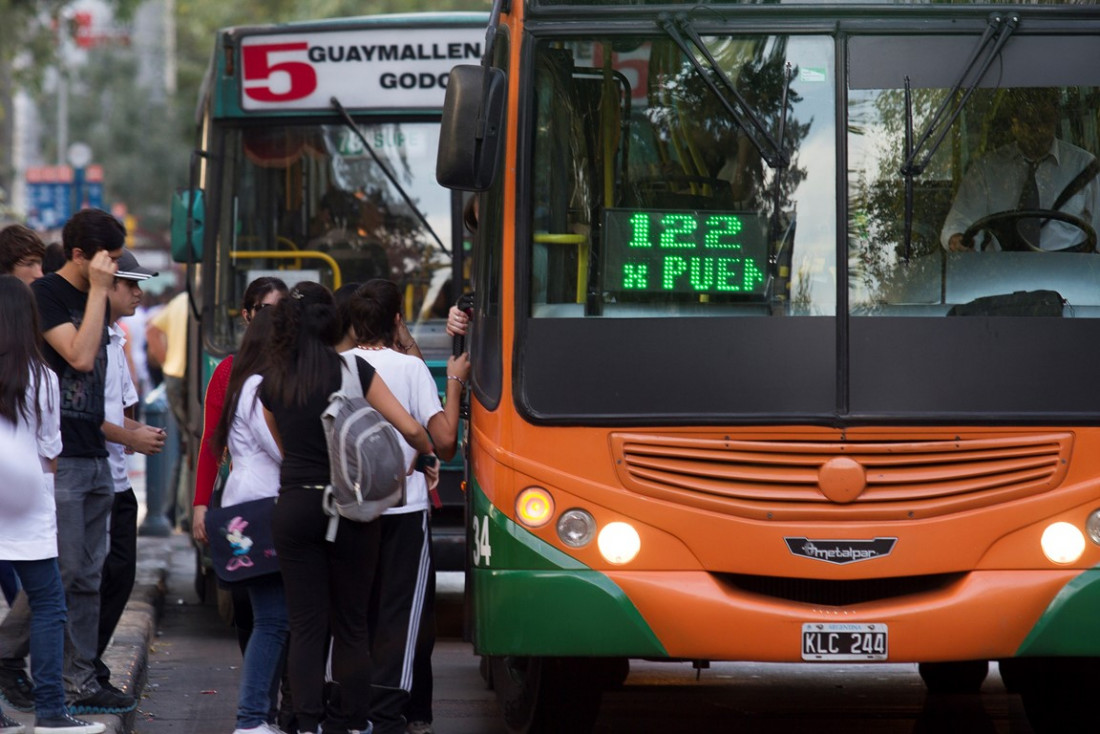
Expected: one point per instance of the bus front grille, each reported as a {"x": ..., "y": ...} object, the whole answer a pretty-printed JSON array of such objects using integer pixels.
[
  {"x": 820, "y": 479},
  {"x": 836, "y": 593}
]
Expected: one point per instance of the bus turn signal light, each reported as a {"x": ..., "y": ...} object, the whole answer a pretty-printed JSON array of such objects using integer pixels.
[{"x": 534, "y": 507}]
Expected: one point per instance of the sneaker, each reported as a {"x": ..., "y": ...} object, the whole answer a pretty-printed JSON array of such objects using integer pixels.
[
  {"x": 67, "y": 725},
  {"x": 261, "y": 729},
  {"x": 104, "y": 702},
  {"x": 420, "y": 727},
  {"x": 10, "y": 726},
  {"x": 16, "y": 689}
]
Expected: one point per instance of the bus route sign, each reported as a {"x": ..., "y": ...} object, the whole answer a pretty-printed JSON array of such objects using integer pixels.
[
  {"x": 367, "y": 68},
  {"x": 648, "y": 251}
]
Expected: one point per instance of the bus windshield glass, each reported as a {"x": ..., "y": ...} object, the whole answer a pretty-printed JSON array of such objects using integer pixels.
[
  {"x": 308, "y": 201},
  {"x": 902, "y": 175}
]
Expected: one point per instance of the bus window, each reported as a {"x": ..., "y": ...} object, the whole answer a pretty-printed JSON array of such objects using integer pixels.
[
  {"x": 314, "y": 189},
  {"x": 1037, "y": 104},
  {"x": 649, "y": 197}
]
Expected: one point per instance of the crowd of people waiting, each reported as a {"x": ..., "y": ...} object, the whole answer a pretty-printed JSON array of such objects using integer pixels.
[{"x": 341, "y": 632}]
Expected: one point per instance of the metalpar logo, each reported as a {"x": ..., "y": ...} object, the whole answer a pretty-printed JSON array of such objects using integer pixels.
[{"x": 841, "y": 552}]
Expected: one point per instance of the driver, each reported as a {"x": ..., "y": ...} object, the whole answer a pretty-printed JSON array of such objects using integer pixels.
[{"x": 1001, "y": 181}]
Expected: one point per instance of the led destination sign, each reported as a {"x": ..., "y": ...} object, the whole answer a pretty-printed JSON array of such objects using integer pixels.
[{"x": 652, "y": 251}]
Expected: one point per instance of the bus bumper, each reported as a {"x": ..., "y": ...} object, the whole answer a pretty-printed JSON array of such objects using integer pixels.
[{"x": 693, "y": 615}]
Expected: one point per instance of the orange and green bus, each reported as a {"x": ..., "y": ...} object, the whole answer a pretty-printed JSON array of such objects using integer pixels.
[{"x": 739, "y": 391}]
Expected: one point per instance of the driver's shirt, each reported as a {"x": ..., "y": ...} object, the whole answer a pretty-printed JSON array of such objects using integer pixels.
[{"x": 993, "y": 184}]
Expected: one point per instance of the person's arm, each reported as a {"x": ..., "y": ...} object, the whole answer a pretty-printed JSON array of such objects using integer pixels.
[
  {"x": 135, "y": 437},
  {"x": 404, "y": 342},
  {"x": 382, "y": 400},
  {"x": 209, "y": 462},
  {"x": 443, "y": 426},
  {"x": 80, "y": 347}
]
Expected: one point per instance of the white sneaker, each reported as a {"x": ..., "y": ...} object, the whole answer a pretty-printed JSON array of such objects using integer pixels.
[
  {"x": 67, "y": 724},
  {"x": 261, "y": 729}
]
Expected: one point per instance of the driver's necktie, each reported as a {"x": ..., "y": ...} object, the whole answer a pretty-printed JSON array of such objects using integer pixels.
[{"x": 1028, "y": 228}]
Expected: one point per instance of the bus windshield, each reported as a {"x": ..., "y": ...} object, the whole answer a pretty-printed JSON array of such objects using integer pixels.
[
  {"x": 312, "y": 197},
  {"x": 837, "y": 263}
]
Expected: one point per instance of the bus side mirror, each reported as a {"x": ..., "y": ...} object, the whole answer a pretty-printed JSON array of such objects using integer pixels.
[
  {"x": 470, "y": 133},
  {"x": 187, "y": 209}
]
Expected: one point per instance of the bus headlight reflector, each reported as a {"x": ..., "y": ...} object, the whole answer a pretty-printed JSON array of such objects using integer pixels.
[
  {"x": 619, "y": 542},
  {"x": 534, "y": 507},
  {"x": 576, "y": 528},
  {"x": 1063, "y": 542},
  {"x": 1092, "y": 527}
]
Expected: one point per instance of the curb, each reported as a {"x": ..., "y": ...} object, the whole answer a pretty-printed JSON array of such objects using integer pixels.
[{"x": 128, "y": 654}]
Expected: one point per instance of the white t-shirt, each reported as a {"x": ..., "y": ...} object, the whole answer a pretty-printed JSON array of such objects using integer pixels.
[
  {"x": 410, "y": 381},
  {"x": 254, "y": 473},
  {"x": 119, "y": 393},
  {"x": 28, "y": 524}
]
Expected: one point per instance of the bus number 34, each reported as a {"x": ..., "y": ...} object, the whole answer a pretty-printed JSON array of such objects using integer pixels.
[{"x": 482, "y": 549}]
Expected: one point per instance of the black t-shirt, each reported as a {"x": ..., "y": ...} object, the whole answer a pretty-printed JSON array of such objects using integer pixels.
[
  {"x": 59, "y": 302},
  {"x": 305, "y": 452}
]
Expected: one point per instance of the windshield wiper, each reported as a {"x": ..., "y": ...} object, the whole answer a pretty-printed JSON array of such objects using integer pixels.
[
  {"x": 389, "y": 175},
  {"x": 771, "y": 150},
  {"x": 997, "y": 32}
]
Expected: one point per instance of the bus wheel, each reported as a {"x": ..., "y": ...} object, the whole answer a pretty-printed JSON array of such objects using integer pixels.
[
  {"x": 964, "y": 676},
  {"x": 547, "y": 695},
  {"x": 1058, "y": 693}
]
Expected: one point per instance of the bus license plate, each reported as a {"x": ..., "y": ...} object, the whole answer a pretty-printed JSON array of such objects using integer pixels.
[{"x": 831, "y": 642}]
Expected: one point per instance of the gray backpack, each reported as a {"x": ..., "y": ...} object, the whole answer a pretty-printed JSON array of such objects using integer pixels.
[{"x": 365, "y": 455}]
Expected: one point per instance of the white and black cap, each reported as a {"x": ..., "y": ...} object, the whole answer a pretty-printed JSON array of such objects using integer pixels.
[{"x": 130, "y": 269}]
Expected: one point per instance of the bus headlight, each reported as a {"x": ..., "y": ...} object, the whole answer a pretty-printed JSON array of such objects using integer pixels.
[
  {"x": 1092, "y": 527},
  {"x": 576, "y": 528},
  {"x": 534, "y": 507},
  {"x": 619, "y": 542},
  {"x": 1063, "y": 542}
]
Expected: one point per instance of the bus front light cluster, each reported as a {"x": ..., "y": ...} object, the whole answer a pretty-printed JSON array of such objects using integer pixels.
[
  {"x": 534, "y": 507},
  {"x": 1062, "y": 543},
  {"x": 576, "y": 528},
  {"x": 619, "y": 542}
]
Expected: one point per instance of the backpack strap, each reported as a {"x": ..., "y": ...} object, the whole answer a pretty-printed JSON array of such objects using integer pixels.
[{"x": 328, "y": 504}]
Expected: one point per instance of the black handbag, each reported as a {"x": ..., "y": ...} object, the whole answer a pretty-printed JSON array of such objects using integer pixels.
[{"x": 242, "y": 546}]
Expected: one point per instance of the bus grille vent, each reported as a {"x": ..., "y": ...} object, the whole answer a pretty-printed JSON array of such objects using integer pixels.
[
  {"x": 815, "y": 479},
  {"x": 836, "y": 593}
]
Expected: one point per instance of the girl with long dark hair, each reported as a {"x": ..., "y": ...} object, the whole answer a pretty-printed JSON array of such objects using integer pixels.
[
  {"x": 30, "y": 424},
  {"x": 254, "y": 475},
  {"x": 328, "y": 584}
]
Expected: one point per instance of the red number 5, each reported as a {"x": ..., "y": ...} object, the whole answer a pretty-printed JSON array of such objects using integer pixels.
[{"x": 255, "y": 60}]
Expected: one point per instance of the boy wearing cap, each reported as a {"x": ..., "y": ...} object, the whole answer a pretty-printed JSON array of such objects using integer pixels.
[{"x": 124, "y": 436}]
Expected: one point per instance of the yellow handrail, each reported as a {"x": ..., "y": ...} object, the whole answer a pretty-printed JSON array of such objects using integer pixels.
[
  {"x": 337, "y": 278},
  {"x": 581, "y": 241}
]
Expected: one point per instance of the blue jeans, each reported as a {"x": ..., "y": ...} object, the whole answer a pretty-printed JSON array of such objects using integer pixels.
[
  {"x": 42, "y": 582},
  {"x": 84, "y": 492},
  {"x": 265, "y": 654}
]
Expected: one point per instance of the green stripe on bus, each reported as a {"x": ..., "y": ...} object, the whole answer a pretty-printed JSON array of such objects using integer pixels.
[
  {"x": 532, "y": 599},
  {"x": 1071, "y": 623}
]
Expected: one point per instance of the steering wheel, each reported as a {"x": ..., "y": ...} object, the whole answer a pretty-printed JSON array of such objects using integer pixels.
[{"x": 1003, "y": 225}]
